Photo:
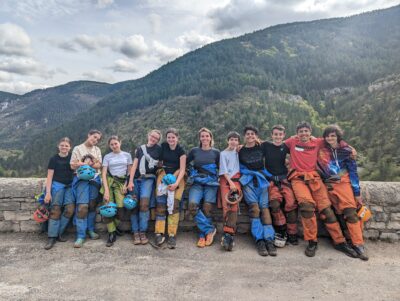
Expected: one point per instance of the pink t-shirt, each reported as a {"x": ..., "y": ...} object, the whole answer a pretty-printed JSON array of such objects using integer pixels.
[{"x": 304, "y": 155}]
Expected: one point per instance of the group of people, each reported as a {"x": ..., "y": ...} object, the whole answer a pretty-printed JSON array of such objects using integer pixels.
[{"x": 276, "y": 179}]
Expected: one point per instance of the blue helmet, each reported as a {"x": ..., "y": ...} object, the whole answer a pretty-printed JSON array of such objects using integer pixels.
[
  {"x": 169, "y": 179},
  {"x": 85, "y": 172},
  {"x": 108, "y": 210},
  {"x": 130, "y": 202}
]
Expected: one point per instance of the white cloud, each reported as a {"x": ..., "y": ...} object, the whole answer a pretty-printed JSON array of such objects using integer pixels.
[
  {"x": 98, "y": 76},
  {"x": 165, "y": 53},
  {"x": 5, "y": 76},
  {"x": 14, "y": 40},
  {"x": 104, "y": 3},
  {"x": 193, "y": 40},
  {"x": 91, "y": 43},
  {"x": 20, "y": 87},
  {"x": 124, "y": 66},
  {"x": 134, "y": 46},
  {"x": 155, "y": 22}
]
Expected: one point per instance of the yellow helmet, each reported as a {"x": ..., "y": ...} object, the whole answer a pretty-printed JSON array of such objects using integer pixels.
[{"x": 364, "y": 213}]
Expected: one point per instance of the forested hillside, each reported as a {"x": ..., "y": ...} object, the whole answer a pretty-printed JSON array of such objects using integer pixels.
[{"x": 318, "y": 71}]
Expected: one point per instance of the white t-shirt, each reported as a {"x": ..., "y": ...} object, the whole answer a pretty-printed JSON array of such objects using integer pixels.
[
  {"x": 118, "y": 163},
  {"x": 81, "y": 150},
  {"x": 229, "y": 163}
]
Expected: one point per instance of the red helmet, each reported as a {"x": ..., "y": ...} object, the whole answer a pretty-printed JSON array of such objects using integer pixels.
[{"x": 41, "y": 214}]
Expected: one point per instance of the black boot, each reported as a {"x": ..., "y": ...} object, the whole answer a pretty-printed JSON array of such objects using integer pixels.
[
  {"x": 292, "y": 239},
  {"x": 346, "y": 249},
  {"x": 227, "y": 242},
  {"x": 362, "y": 252},
  {"x": 50, "y": 243},
  {"x": 311, "y": 248},
  {"x": 171, "y": 243},
  {"x": 269, "y": 244},
  {"x": 261, "y": 248},
  {"x": 119, "y": 232},
  {"x": 112, "y": 237},
  {"x": 62, "y": 238}
]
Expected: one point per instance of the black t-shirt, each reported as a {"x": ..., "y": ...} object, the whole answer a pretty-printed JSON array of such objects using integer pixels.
[
  {"x": 252, "y": 157},
  {"x": 62, "y": 169},
  {"x": 202, "y": 157},
  {"x": 154, "y": 152},
  {"x": 275, "y": 158},
  {"x": 171, "y": 158}
]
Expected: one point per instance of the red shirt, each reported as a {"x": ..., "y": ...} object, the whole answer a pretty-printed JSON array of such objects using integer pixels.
[{"x": 304, "y": 155}]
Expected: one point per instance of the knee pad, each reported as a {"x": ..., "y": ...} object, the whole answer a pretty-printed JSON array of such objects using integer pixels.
[
  {"x": 328, "y": 216},
  {"x": 120, "y": 213},
  {"x": 266, "y": 216},
  {"x": 307, "y": 210},
  {"x": 69, "y": 210},
  {"x": 161, "y": 209},
  {"x": 92, "y": 205},
  {"x": 254, "y": 210},
  {"x": 193, "y": 207},
  {"x": 83, "y": 210},
  {"x": 350, "y": 215},
  {"x": 207, "y": 209},
  {"x": 144, "y": 204},
  {"x": 275, "y": 206},
  {"x": 231, "y": 219},
  {"x": 291, "y": 217},
  {"x": 55, "y": 212}
]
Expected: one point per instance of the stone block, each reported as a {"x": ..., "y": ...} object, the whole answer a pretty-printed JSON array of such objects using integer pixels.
[
  {"x": 380, "y": 217},
  {"x": 390, "y": 237},
  {"x": 395, "y": 216},
  {"x": 20, "y": 188},
  {"x": 394, "y": 225},
  {"x": 376, "y": 225},
  {"x": 9, "y": 205},
  {"x": 375, "y": 209},
  {"x": 371, "y": 234},
  {"x": 29, "y": 206},
  {"x": 243, "y": 228},
  {"x": 17, "y": 215},
  {"x": 29, "y": 226},
  {"x": 9, "y": 226}
]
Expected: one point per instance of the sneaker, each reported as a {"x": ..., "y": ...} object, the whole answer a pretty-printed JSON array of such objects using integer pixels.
[
  {"x": 62, "y": 238},
  {"x": 111, "y": 239},
  {"x": 79, "y": 243},
  {"x": 136, "y": 238},
  {"x": 143, "y": 238},
  {"x": 227, "y": 242},
  {"x": 210, "y": 237},
  {"x": 346, "y": 249},
  {"x": 201, "y": 243},
  {"x": 292, "y": 239},
  {"x": 171, "y": 242},
  {"x": 269, "y": 244},
  {"x": 93, "y": 235},
  {"x": 159, "y": 239},
  {"x": 280, "y": 240},
  {"x": 362, "y": 252},
  {"x": 261, "y": 248},
  {"x": 50, "y": 243},
  {"x": 311, "y": 248}
]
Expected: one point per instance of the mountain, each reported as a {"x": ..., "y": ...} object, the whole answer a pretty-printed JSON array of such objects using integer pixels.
[
  {"x": 22, "y": 117},
  {"x": 317, "y": 70}
]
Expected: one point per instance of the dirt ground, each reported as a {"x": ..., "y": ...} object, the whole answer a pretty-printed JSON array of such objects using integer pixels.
[{"x": 128, "y": 272}]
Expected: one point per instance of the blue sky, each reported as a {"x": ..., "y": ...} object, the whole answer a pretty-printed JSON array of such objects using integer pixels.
[{"x": 45, "y": 43}]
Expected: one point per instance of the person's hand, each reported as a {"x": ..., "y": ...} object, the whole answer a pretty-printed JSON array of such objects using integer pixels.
[
  {"x": 47, "y": 198},
  {"x": 359, "y": 201},
  {"x": 106, "y": 196},
  {"x": 131, "y": 186},
  {"x": 239, "y": 147},
  {"x": 232, "y": 186},
  {"x": 172, "y": 187}
]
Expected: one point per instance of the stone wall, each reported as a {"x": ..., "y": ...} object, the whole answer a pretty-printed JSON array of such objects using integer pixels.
[{"x": 17, "y": 204}]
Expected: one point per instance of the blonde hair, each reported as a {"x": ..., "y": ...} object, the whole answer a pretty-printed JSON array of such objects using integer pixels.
[
  {"x": 155, "y": 131},
  {"x": 209, "y": 132}
]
